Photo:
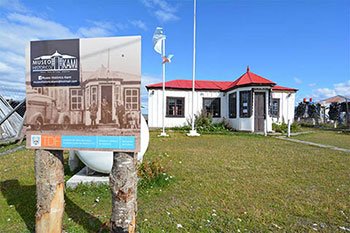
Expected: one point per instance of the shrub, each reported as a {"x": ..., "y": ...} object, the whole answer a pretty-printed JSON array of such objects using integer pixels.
[
  {"x": 283, "y": 127},
  {"x": 152, "y": 173}
]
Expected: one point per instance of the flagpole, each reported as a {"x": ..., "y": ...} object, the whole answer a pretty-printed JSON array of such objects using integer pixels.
[
  {"x": 193, "y": 132},
  {"x": 163, "y": 134}
]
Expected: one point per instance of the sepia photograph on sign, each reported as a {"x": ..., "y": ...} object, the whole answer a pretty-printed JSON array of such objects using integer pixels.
[{"x": 104, "y": 105}]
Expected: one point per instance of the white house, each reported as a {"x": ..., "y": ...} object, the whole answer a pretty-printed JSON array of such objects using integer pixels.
[{"x": 244, "y": 103}]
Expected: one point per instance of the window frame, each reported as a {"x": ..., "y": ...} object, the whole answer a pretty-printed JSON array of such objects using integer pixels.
[
  {"x": 232, "y": 106},
  {"x": 167, "y": 106},
  {"x": 249, "y": 102},
  {"x": 212, "y": 110},
  {"x": 79, "y": 97},
  {"x": 126, "y": 103},
  {"x": 275, "y": 114},
  {"x": 93, "y": 87}
]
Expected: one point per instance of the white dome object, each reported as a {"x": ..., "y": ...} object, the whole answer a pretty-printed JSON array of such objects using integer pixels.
[{"x": 102, "y": 161}]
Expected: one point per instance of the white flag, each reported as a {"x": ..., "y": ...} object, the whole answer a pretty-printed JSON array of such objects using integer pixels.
[{"x": 158, "y": 37}]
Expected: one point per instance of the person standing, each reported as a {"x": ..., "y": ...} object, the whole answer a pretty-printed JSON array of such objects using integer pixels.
[
  {"x": 105, "y": 110},
  {"x": 121, "y": 114},
  {"x": 93, "y": 114}
]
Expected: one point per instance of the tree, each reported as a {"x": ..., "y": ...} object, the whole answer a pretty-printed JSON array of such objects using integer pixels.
[{"x": 300, "y": 110}]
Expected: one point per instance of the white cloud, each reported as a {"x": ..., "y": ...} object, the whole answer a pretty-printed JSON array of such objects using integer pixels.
[
  {"x": 298, "y": 80},
  {"x": 139, "y": 24},
  {"x": 338, "y": 89},
  {"x": 312, "y": 84},
  {"x": 162, "y": 10},
  {"x": 13, "y": 5}
]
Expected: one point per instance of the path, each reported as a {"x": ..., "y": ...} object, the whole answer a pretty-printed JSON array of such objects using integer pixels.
[{"x": 314, "y": 144}]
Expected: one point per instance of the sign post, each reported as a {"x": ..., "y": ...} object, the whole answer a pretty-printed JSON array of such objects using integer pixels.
[
  {"x": 49, "y": 176},
  {"x": 84, "y": 94}
]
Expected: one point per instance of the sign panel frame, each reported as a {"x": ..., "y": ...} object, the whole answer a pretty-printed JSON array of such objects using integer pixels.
[{"x": 84, "y": 94}]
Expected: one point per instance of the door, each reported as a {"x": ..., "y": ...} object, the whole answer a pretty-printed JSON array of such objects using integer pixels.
[
  {"x": 106, "y": 104},
  {"x": 259, "y": 111}
]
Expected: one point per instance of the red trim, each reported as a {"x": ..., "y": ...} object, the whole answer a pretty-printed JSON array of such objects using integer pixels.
[
  {"x": 280, "y": 88},
  {"x": 247, "y": 79}
]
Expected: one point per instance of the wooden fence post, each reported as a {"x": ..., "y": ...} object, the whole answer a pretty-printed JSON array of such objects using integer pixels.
[
  {"x": 49, "y": 178},
  {"x": 123, "y": 184}
]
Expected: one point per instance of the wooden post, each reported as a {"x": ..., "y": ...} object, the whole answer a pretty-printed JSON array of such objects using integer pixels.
[
  {"x": 49, "y": 178},
  {"x": 123, "y": 184}
]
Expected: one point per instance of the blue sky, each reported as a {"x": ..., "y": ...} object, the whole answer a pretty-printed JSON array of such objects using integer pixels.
[{"x": 301, "y": 44}]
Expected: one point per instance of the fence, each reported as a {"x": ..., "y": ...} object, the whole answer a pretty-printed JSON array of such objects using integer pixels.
[{"x": 12, "y": 114}]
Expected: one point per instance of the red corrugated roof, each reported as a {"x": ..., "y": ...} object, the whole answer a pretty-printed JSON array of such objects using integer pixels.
[
  {"x": 280, "y": 88},
  {"x": 187, "y": 84},
  {"x": 248, "y": 78}
]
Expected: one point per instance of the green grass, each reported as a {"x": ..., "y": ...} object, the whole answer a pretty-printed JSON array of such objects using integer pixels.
[
  {"x": 332, "y": 138},
  {"x": 220, "y": 183}
]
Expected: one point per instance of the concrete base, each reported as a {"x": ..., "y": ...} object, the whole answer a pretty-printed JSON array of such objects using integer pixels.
[
  {"x": 193, "y": 133},
  {"x": 163, "y": 134},
  {"x": 82, "y": 178}
]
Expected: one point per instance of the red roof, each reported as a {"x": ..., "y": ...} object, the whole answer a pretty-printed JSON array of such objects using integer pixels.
[
  {"x": 248, "y": 78},
  {"x": 280, "y": 88},
  {"x": 187, "y": 84}
]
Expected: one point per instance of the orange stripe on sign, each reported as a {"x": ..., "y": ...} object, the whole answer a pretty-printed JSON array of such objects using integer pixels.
[{"x": 51, "y": 141}]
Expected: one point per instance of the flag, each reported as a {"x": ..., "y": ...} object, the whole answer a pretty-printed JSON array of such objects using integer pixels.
[
  {"x": 158, "y": 37},
  {"x": 167, "y": 58}
]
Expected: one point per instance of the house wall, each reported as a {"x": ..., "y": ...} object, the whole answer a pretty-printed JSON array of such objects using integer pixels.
[
  {"x": 287, "y": 105},
  {"x": 155, "y": 110},
  {"x": 247, "y": 124},
  {"x": 243, "y": 124}
]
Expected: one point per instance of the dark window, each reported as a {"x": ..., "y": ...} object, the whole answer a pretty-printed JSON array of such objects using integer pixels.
[
  {"x": 211, "y": 106},
  {"x": 275, "y": 110},
  {"x": 245, "y": 104},
  {"x": 232, "y": 105},
  {"x": 175, "y": 107}
]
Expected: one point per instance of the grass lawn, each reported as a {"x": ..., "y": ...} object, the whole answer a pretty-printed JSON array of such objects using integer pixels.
[
  {"x": 221, "y": 183},
  {"x": 332, "y": 138}
]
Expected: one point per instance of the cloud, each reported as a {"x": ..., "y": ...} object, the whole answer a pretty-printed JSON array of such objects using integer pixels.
[
  {"x": 298, "y": 81},
  {"x": 13, "y": 5},
  {"x": 338, "y": 89},
  {"x": 139, "y": 24},
  {"x": 312, "y": 84},
  {"x": 162, "y": 10}
]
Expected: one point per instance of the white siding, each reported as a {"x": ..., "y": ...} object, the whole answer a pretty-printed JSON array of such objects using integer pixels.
[
  {"x": 243, "y": 124},
  {"x": 155, "y": 111},
  {"x": 286, "y": 111}
]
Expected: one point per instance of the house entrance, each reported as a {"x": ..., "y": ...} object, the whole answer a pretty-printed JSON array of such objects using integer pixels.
[
  {"x": 259, "y": 111},
  {"x": 106, "y": 104}
]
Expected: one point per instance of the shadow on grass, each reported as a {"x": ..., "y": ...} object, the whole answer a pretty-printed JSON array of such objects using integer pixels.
[{"x": 23, "y": 198}]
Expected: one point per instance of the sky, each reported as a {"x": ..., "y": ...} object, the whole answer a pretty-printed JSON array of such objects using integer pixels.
[{"x": 300, "y": 44}]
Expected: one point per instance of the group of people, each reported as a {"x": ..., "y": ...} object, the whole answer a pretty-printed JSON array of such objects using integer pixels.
[{"x": 123, "y": 116}]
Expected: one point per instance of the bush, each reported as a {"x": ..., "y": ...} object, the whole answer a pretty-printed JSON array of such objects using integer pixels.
[
  {"x": 204, "y": 124},
  {"x": 283, "y": 127},
  {"x": 152, "y": 173}
]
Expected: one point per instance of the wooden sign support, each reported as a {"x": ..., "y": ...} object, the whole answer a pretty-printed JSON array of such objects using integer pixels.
[
  {"x": 49, "y": 178},
  {"x": 123, "y": 184}
]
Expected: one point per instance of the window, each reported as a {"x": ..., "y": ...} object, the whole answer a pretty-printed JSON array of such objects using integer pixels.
[
  {"x": 76, "y": 102},
  {"x": 117, "y": 93},
  {"x": 245, "y": 103},
  {"x": 175, "y": 107},
  {"x": 39, "y": 90},
  {"x": 93, "y": 93},
  {"x": 232, "y": 105},
  {"x": 211, "y": 106},
  {"x": 132, "y": 99},
  {"x": 275, "y": 110}
]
